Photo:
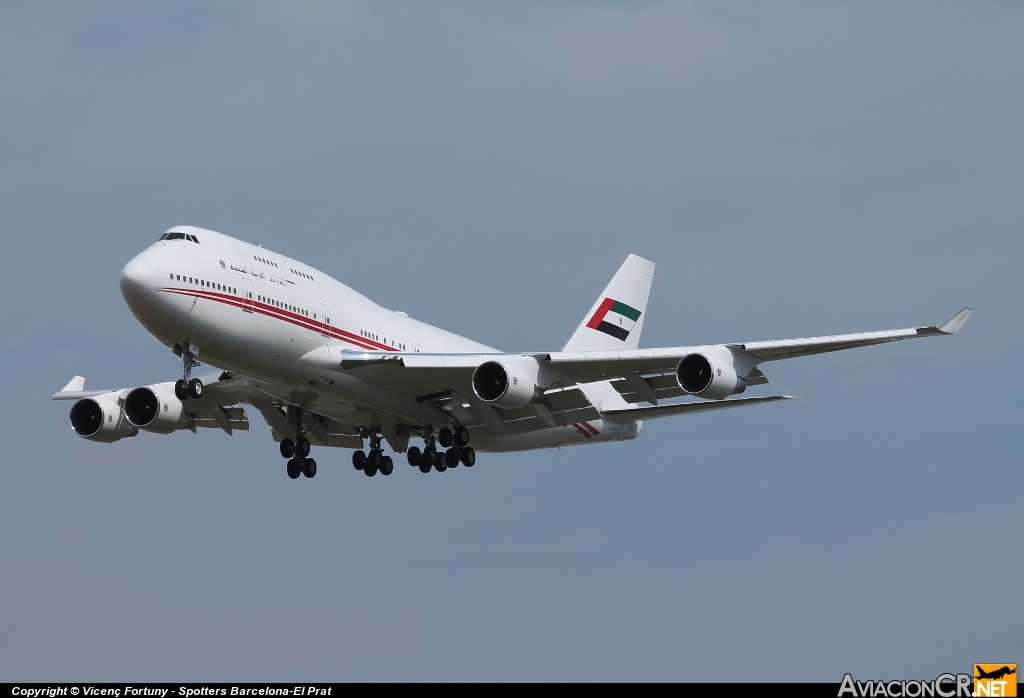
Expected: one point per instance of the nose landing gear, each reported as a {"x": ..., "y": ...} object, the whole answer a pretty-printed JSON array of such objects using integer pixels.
[{"x": 188, "y": 387}]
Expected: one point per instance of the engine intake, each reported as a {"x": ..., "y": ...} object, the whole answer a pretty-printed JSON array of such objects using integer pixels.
[
  {"x": 709, "y": 377},
  {"x": 505, "y": 385},
  {"x": 156, "y": 410},
  {"x": 100, "y": 419}
]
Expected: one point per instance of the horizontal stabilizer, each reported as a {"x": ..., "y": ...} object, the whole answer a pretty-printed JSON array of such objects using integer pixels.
[{"x": 637, "y": 413}]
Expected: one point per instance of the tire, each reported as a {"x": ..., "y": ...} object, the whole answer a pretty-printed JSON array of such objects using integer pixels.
[
  {"x": 444, "y": 437},
  {"x": 309, "y": 467},
  {"x": 359, "y": 460},
  {"x": 370, "y": 470},
  {"x": 387, "y": 466},
  {"x": 293, "y": 469},
  {"x": 430, "y": 454},
  {"x": 424, "y": 467},
  {"x": 461, "y": 436},
  {"x": 302, "y": 447},
  {"x": 413, "y": 454},
  {"x": 441, "y": 465},
  {"x": 468, "y": 457},
  {"x": 195, "y": 388},
  {"x": 287, "y": 448},
  {"x": 181, "y": 390},
  {"x": 451, "y": 458},
  {"x": 375, "y": 458}
]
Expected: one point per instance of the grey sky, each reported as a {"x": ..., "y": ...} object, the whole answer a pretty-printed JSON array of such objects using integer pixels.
[{"x": 793, "y": 169}]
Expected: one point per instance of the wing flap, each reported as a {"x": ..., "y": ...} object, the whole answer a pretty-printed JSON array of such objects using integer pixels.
[
  {"x": 638, "y": 413},
  {"x": 227, "y": 418}
]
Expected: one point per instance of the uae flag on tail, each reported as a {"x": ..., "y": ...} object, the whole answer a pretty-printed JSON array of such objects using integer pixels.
[{"x": 614, "y": 318}]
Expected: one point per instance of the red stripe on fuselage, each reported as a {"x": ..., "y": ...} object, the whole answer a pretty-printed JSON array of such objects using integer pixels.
[
  {"x": 590, "y": 427},
  {"x": 281, "y": 314}
]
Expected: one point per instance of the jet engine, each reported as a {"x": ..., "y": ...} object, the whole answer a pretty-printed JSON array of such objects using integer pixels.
[
  {"x": 156, "y": 410},
  {"x": 100, "y": 419},
  {"x": 708, "y": 376},
  {"x": 506, "y": 385}
]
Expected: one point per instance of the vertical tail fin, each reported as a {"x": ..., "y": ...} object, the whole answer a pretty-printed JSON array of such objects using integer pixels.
[{"x": 617, "y": 317}]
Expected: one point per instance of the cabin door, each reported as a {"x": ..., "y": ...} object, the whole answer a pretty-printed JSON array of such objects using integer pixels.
[
  {"x": 247, "y": 295},
  {"x": 325, "y": 320}
]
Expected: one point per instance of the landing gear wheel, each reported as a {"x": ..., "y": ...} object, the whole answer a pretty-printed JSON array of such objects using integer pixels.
[
  {"x": 294, "y": 469},
  {"x": 370, "y": 470},
  {"x": 424, "y": 466},
  {"x": 195, "y": 388},
  {"x": 451, "y": 458},
  {"x": 413, "y": 454},
  {"x": 302, "y": 447},
  {"x": 461, "y": 436},
  {"x": 387, "y": 466},
  {"x": 359, "y": 460},
  {"x": 375, "y": 458},
  {"x": 444, "y": 437},
  {"x": 429, "y": 455},
  {"x": 180, "y": 389},
  {"x": 287, "y": 448},
  {"x": 468, "y": 456},
  {"x": 309, "y": 467},
  {"x": 441, "y": 464}
]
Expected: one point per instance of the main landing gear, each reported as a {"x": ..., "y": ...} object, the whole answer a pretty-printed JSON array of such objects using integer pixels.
[
  {"x": 189, "y": 387},
  {"x": 457, "y": 451},
  {"x": 297, "y": 451},
  {"x": 375, "y": 461}
]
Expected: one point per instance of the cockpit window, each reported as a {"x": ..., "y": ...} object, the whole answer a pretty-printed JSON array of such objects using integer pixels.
[{"x": 178, "y": 236}]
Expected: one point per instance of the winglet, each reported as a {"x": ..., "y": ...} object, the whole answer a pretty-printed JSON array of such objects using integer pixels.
[
  {"x": 953, "y": 324},
  {"x": 76, "y": 385}
]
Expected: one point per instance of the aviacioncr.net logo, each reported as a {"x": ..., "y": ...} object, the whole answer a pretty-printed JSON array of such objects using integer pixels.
[{"x": 943, "y": 686}]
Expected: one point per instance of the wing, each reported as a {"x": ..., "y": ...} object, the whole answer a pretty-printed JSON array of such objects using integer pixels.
[
  {"x": 745, "y": 356},
  {"x": 638, "y": 375},
  {"x": 217, "y": 408}
]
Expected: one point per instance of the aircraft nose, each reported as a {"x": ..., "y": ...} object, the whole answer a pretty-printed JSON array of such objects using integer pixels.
[{"x": 136, "y": 277}]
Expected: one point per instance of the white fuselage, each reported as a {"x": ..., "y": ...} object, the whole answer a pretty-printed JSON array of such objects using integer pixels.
[{"x": 261, "y": 315}]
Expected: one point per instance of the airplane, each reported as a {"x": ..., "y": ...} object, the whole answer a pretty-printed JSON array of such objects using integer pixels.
[
  {"x": 995, "y": 674},
  {"x": 326, "y": 366}
]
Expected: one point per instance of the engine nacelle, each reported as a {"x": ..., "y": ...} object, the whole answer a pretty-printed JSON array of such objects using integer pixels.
[
  {"x": 506, "y": 385},
  {"x": 708, "y": 376},
  {"x": 155, "y": 409},
  {"x": 100, "y": 419}
]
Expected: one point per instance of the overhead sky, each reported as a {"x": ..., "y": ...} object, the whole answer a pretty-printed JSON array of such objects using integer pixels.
[{"x": 793, "y": 169}]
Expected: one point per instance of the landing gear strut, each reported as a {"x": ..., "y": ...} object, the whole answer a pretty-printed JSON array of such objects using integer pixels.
[
  {"x": 189, "y": 387},
  {"x": 374, "y": 461},
  {"x": 457, "y": 451},
  {"x": 297, "y": 450}
]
